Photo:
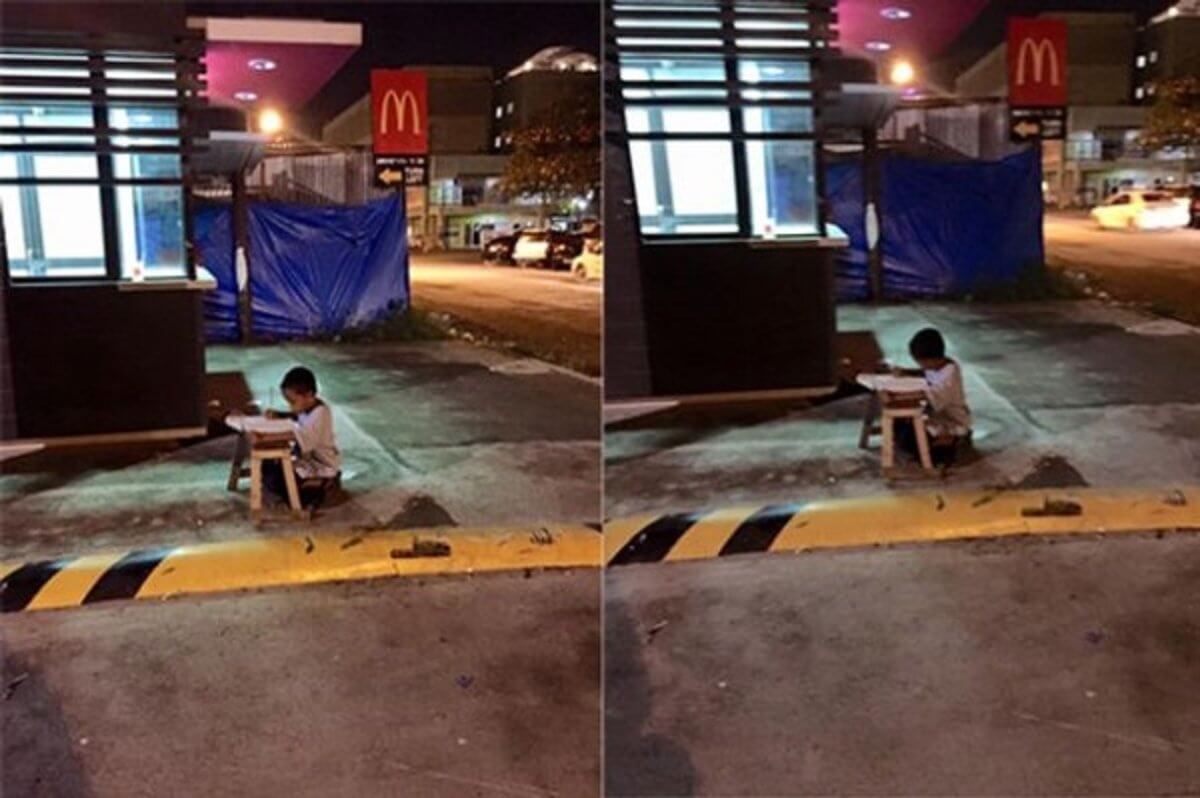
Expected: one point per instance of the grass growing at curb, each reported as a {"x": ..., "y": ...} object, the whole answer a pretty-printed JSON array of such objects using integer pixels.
[{"x": 412, "y": 324}]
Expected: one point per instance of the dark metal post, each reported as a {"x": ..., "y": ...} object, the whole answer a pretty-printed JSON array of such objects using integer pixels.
[
  {"x": 241, "y": 241},
  {"x": 871, "y": 168}
]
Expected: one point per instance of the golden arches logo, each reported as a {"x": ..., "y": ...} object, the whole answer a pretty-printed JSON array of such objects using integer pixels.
[
  {"x": 399, "y": 104},
  {"x": 1042, "y": 54}
]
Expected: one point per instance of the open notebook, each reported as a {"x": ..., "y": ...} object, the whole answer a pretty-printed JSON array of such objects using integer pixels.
[
  {"x": 259, "y": 424},
  {"x": 891, "y": 383}
]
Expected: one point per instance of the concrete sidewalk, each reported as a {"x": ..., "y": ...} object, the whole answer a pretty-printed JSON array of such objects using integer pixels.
[
  {"x": 432, "y": 434},
  {"x": 1065, "y": 394}
]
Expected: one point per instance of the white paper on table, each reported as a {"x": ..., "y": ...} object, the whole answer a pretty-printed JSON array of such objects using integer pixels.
[
  {"x": 259, "y": 424},
  {"x": 892, "y": 383}
]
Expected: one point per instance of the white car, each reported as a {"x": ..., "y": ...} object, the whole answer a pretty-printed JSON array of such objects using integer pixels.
[
  {"x": 589, "y": 264},
  {"x": 1142, "y": 210},
  {"x": 532, "y": 248}
]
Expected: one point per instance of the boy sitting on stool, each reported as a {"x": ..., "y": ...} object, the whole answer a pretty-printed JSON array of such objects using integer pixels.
[
  {"x": 315, "y": 456},
  {"x": 948, "y": 418}
]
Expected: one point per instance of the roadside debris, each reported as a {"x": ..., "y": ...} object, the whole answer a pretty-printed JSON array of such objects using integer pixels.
[
  {"x": 11, "y": 688},
  {"x": 423, "y": 548},
  {"x": 654, "y": 630},
  {"x": 1053, "y": 507}
]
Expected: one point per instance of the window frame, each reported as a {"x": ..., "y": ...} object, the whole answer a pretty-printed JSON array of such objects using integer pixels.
[
  {"x": 809, "y": 43},
  {"x": 103, "y": 74}
]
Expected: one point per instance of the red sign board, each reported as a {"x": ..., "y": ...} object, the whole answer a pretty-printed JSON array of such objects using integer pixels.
[
  {"x": 399, "y": 112},
  {"x": 1037, "y": 62}
]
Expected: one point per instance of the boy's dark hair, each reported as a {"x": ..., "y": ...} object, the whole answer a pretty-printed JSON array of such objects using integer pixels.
[
  {"x": 299, "y": 379},
  {"x": 927, "y": 345}
]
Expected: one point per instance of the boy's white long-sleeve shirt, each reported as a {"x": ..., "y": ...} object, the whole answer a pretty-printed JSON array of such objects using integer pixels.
[
  {"x": 319, "y": 455},
  {"x": 948, "y": 410}
]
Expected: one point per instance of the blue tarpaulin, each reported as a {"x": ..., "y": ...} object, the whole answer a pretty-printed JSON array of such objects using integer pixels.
[
  {"x": 314, "y": 271},
  {"x": 947, "y": 228},
  {"x": 213, "y": 231}
]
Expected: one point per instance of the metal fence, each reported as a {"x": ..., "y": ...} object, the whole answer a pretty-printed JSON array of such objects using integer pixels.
[{"x": 339, "y": 177}]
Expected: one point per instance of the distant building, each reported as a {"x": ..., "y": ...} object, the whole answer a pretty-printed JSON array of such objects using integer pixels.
[
  {"x": 555, "y": 76},
  {"x": 1106, "y": 84},
  {"x": 1167, "y": 47},
  {"x": 470, "y": 114}
]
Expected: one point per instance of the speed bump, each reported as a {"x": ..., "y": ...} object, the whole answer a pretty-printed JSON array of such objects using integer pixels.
[
  {"x": 272, "y": 562},
  {"x": 896, "y": 518}
]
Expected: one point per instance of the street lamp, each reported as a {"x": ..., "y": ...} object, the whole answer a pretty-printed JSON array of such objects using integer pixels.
[
  {"x": 270, "y": 121},
  {"x": 903, "y": 73}
]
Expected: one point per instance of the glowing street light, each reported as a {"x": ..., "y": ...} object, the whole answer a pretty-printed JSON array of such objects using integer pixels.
[
  {"x": 903, "y": 73},
  {"x": 270, "y": 121}
]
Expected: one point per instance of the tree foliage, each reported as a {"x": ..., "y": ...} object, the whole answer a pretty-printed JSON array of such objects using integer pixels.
[
  {"x": 557, "y": 157},
  {"x": 1174, "y": 119}
]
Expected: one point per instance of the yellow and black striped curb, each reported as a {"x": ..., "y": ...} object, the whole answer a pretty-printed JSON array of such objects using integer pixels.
[
  {"x": 896, "y": 518},
  {"x": 270, "y": 562}
]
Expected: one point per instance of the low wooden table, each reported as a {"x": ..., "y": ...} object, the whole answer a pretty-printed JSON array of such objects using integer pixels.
[
  {"x": 261, "y": 439},
  {"x": 894, "y": 398}
]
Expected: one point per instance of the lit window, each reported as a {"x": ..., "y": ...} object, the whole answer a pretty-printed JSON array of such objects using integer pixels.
[
  {"x": 782, "y": 191},
  {"x": 512, "y": 106},
  {"x": 1154, "y": 56},
  {"x": 1139, "y": 92},
  {"x": 499, "y": 112},
  {"x": 721, "y": 145},
  {"x": 498, "y": 142},
  {"x": 1141, "y": 60},
  {"x": 684, "y": 186}
]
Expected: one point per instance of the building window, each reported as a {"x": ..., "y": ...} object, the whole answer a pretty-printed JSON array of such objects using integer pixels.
[
  {"x": 499, "y": 111},
  {"x": 1141, "y": 60},
  {"x": 721, "y": 127},
  {"x": 1139, "y": 92},
  {"x": 498, "y": 142},
  {"x": 1154, "y": 56},
  {"x": 95, "y": 191},
  {"x": 512, "y": 106}
]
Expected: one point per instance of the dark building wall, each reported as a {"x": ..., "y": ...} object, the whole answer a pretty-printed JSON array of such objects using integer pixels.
[
  {"x": 1177, "y": 43},
  {"x": 91, "y": 360},
  {"x": 1100, "y": 52},
  {"x": 460, "y": 108},
  {"x": 736, "y": 316},
  {"x": 149, "y": 17},
  {"x": 626, "y": 365},
  {"x": 534, "y": 93}
]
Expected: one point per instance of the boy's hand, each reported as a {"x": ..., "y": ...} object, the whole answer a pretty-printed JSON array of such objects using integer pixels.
[{"x": 271, "y": 413}]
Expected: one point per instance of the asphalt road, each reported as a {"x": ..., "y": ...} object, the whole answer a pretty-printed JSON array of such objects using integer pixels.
[
  {"x": 1159, "y": 268},
  {"x": 544, "y": 313},
  {"x": 1018, "y": 667},
  {"x": 483, "y": 687}
]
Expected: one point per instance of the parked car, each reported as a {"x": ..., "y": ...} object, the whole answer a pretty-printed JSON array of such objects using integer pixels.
[
  {"x": 500, "y": 250},
  {"x": 1142, "y": 210},
  {"x": 589, "y": 264},
  {"x": 1190, "y": 195},
  {"x": 546, "y": 248}
]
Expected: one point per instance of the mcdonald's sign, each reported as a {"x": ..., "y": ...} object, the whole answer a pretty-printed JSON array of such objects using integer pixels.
[
  {"x": 1037, "y": 62},
  {"x": 399, "y": 112}
]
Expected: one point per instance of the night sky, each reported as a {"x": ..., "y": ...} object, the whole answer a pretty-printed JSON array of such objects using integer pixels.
[{"x": 499, "y": 34}]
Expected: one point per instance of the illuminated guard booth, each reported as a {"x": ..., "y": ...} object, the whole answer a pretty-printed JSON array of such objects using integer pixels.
[
  {"x": 719, "y": 272},
  {"x": 101, "y": 329}
]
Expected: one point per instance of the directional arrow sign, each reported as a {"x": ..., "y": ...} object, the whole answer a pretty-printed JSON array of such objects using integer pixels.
[
  {"x": 1037, "y": 123},
  {"x": 1026, "y": 129},
  {"x": 398, "y": 171},
  {"x": 391, "y": 177}
]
